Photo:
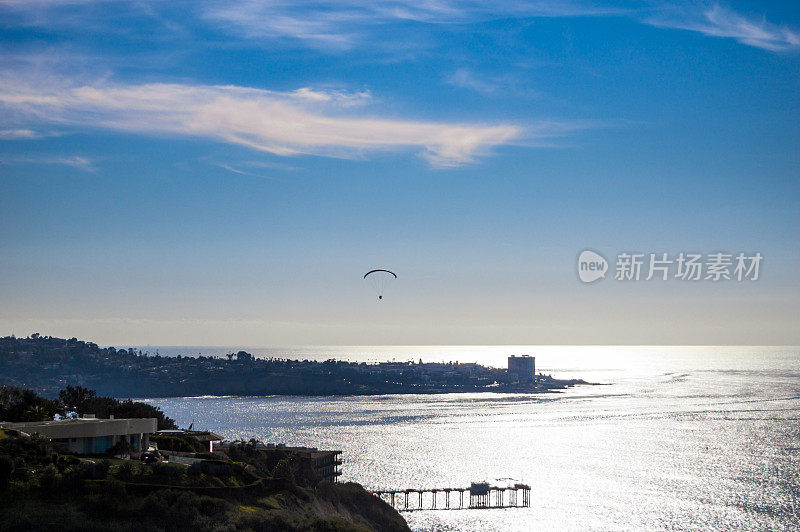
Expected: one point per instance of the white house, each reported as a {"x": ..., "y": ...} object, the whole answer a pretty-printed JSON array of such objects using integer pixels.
[{"x": 89, "y": 435}]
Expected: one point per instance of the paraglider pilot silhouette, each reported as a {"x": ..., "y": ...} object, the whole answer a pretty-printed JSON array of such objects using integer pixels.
[{"x": 379, "y": 279}]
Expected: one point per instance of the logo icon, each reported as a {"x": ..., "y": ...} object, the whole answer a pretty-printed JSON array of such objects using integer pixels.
[{"x": 591, "y": 266}]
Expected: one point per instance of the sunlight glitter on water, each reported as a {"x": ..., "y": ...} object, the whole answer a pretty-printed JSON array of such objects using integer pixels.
[{"x": 679, "y": 438}]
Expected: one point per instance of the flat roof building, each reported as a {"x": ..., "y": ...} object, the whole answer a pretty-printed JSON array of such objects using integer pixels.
[
  {"x": 522, "y": 368},
  {"x": 325, "y": 463},
  {"x": 89, "y": 435}
]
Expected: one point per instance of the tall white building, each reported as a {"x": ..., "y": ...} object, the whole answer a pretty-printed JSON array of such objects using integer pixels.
[{"x": 522, "y": 368}]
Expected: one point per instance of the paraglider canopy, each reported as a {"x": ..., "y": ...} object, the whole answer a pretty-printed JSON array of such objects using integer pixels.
[{"x": 379, "y": 279}]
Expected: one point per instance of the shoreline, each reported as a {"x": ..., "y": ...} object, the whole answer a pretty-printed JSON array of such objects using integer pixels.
[
  {"x": 48, "y": 364},
  {"x": 573, "y": 382}
]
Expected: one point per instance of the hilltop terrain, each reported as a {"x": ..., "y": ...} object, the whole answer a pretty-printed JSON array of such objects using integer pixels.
[{"x": 48, "y": 364}]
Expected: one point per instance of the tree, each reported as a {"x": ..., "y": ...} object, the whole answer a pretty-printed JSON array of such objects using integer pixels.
[
  {"x": 18, "y": 404},
  {"x": 104, "y": 407},
  {"x": 76, "y": 398},
  {"x": 121, "y": 448}
]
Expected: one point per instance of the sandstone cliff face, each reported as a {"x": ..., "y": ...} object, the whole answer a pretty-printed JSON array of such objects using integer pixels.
[{"x": 334, "y": 507}]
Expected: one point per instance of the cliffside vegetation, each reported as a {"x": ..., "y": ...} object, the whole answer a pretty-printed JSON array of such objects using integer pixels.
[
  {"x": 18, "y": 404},
  {"x": 44, "y": 489}
]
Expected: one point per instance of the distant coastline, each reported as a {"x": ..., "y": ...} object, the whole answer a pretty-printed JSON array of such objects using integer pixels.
[{"x": 47, "y": 364}]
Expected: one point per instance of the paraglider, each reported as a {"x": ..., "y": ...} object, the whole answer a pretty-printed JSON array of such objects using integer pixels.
[{"x": 379, "y": 279}]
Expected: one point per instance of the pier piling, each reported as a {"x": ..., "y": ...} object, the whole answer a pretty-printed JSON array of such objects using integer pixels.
[{"x": 481, "y": 495}]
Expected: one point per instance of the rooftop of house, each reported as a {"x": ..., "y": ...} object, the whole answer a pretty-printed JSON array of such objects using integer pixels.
[{"x": 84, "y": 427}]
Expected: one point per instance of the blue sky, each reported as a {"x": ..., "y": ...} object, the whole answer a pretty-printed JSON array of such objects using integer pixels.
[{"x": 201, "y": 173}]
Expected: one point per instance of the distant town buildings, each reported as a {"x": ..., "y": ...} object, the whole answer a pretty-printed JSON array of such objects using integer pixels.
[
  {"x": 89, "y": 435},
  {"x": 522, "y": 369},
  {"x": 127, "y": 373}
]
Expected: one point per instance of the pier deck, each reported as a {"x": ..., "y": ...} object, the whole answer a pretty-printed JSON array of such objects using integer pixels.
[{"x": 481, "y": 495}]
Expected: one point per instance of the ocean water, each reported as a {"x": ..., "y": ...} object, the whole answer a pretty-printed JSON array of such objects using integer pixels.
[{"x": 678, "y": 438}]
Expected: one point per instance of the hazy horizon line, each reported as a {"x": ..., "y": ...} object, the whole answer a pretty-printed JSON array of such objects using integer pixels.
[{"x": 451, "y": 345}]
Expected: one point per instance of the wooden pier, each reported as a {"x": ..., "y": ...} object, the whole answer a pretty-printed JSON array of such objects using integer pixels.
[{"x": 481, "y": 495}]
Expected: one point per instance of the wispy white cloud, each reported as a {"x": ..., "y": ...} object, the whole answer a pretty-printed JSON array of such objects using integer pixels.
[
  {"x": 332, "y": 25},
  {"x": 323, "y": 28},
  {"x": 339, "y": 97},
  {"x": 270, "y": 165},
  {"x": 251, "y": 168},
  {"x": 467, "y": 79},
  {"x": 14, "y": 134},
  {"x": 282, "y": 123},
  {"x": 354, "y": 25},
  {"x": 718, "y": 21},
  {"x": 27, "y": 134},
  {"x": 28, "y": 3},
  {"x": 75, "y": 161},
  {"x": 237, "y": 170},
  {"x": 489, "y": 85},
  {"x": 344, "y": 24}
]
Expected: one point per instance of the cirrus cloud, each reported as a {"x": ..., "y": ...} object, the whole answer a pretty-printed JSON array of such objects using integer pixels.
[
  {"x": 344, "y": 24},
  {"x": 13, "y": 134},
  {"x": 352, "y": 25},
  {"x": 304, "y": 121},
  {"x": 718, "y": 21}
]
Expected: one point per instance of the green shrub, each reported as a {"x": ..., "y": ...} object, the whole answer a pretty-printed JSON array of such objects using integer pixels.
[
  {"x": 284, "y": 470},
  {"x": 102, "y": 467},
  {"x": 167, "y": 471},
  {"x": 216, "y": 469},
  {"x": 21, "y": 472},
  {"x": 6, "y": 470},
  {"x": 49, "y": 478},
  {"x": 125, "y": 470},
  {"x": 177, "y": 442}
]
